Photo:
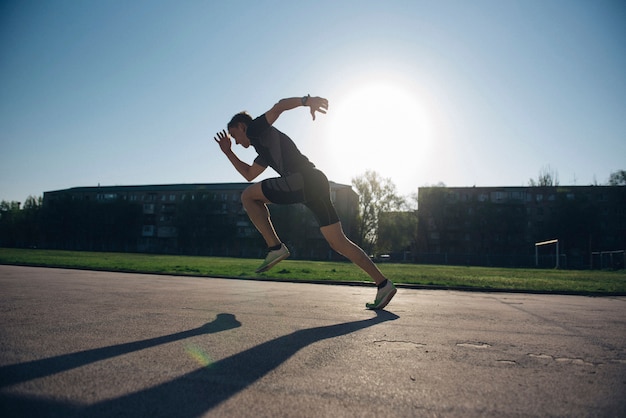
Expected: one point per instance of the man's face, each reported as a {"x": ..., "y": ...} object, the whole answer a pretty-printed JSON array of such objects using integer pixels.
[{"x": 239, "y": 133}]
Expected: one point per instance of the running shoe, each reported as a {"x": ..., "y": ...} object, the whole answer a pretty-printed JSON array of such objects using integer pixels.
[
  {"x": 383, "y": 296},
  {"x": 273, "y": 258}
]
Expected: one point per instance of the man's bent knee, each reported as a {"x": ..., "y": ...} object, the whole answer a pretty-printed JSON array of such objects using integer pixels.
[{"x": 253, "y": 194}]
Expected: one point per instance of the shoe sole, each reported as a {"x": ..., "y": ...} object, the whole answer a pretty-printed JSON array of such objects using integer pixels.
[
  {"x": 272, "y": 264},
  {"x": 385, "y": 301}
]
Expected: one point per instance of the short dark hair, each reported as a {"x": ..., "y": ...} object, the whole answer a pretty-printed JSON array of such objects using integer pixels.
[{"x": 241, "y": 117}]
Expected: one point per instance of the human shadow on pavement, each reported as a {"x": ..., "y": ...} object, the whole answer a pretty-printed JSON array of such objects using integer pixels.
[
  {"x": 22, "y": 372},
  {"x": 197, "y": 392}
]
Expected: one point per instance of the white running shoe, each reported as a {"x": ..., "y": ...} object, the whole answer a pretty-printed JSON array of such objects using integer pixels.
[
  {"x": 383, "y": 296},
  {"x": 273, "y": 258}
]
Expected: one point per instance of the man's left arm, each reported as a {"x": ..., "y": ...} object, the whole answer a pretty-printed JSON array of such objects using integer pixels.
[{"x": 317, "y": 104}]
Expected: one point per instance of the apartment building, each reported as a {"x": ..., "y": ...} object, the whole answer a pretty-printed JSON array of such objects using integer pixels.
[
  {"x": 201, "y": 219},
  {"x": 500, "y": 225}
]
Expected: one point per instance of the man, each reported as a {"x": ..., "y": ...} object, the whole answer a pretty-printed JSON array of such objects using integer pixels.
[{"x": 299, "y": 182}]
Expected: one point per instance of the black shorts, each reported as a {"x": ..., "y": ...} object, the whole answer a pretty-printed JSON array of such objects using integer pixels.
[{"x": 310, "y": 188}]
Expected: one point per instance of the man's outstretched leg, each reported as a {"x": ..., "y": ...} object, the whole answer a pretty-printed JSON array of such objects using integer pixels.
[
  {"x": 339, "y": 242},
  {"x": 255, "y": 203}
]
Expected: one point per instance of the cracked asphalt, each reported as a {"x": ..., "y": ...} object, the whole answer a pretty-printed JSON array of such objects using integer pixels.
[{"x": 97, "y": 344}]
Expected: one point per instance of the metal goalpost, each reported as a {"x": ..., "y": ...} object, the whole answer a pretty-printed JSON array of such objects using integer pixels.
[
  {"x": 549, "y": 242},
  {"x": 620, "y": 254}
]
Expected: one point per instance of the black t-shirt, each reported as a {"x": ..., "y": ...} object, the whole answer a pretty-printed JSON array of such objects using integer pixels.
[{"x": 276, "y": 149}]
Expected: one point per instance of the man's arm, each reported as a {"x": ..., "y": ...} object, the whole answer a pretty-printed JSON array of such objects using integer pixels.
[
  {"x": 317, "y": 104},
  {"x": 249, "y": 172}
]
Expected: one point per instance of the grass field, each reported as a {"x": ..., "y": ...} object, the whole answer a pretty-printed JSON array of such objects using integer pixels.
[{"x": 534, "y": 280}]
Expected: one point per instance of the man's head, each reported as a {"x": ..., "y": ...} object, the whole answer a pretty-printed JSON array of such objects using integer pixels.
[{"x": 238, "y": 126}]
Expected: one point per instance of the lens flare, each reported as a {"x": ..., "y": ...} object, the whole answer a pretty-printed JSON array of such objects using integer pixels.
[{"x": 199, "y": 355}]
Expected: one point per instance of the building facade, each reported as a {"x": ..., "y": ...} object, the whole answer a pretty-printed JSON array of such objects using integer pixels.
[
  {"x": 501, "y": 225},
  {"x": 196, "y": 219}
]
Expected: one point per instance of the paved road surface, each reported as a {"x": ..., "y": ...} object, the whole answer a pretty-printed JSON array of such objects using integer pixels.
[{"x": 96, "y": 344}]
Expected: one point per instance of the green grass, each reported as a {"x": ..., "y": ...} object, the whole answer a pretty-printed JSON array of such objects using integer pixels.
[{"x": 535, "y": 280}]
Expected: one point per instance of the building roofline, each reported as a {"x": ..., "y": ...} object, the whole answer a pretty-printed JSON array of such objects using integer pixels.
[
  {"x": 153, "y": 187},
  {"x": 178, "y": 187}
]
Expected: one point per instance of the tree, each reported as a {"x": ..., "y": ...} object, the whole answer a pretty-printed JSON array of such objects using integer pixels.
[
  {"x": 376, "y": 195},
  {"x": 547, "y": 178},
  {"x": 618, "y": 178},
  {"x": 20, "y": 225},
  {"x": 396, "y": 231}
]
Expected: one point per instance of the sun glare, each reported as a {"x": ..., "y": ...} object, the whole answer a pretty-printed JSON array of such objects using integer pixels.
[{"x": 383, "y": 127}]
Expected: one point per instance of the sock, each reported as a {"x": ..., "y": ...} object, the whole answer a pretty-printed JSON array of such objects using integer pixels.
[
  {"x": 383, "y": 284},
  {"x": 276, "y": 247}
]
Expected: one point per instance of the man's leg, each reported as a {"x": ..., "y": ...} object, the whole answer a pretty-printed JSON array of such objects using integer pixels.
[
  {"x": 340, "y": 243},
  {"x": 255, "y": 203}
]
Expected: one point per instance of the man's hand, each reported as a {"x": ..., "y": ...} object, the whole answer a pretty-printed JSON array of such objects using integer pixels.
[
  {"x": 223, "y": 139},
  {"x": 249, "y": 172},
  {"x": 317, "y": 104}
]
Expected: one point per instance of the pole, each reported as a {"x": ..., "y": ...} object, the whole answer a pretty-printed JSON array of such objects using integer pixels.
[{"x": 536, "y": 256}]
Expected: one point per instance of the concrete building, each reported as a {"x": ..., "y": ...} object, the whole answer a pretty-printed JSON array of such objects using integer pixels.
[
  {"x": 500, "y": 225},
  {"x": 202, "y": 219}
]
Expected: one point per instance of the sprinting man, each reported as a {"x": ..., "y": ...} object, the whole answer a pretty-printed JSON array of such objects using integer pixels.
[{"x": 299, "y": 182}]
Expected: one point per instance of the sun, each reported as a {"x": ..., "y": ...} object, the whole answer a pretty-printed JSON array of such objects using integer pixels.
[{"x": 381, "y": 126}]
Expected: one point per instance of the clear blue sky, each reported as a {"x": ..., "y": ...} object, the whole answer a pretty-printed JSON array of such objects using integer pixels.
[{"x": 483, "y": 93}]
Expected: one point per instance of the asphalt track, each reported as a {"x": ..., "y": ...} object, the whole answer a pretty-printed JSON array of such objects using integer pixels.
[{"x": 96, "y": 344}]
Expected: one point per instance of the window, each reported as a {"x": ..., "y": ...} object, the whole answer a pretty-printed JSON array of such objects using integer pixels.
[
  {"x": 497, "y": 196},
  {"x": 167, "y": 232},
  {"x": 106, "y": 196}
]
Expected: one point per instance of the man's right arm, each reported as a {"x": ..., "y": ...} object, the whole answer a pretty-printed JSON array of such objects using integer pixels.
[{"x": 249, "y": 172}]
